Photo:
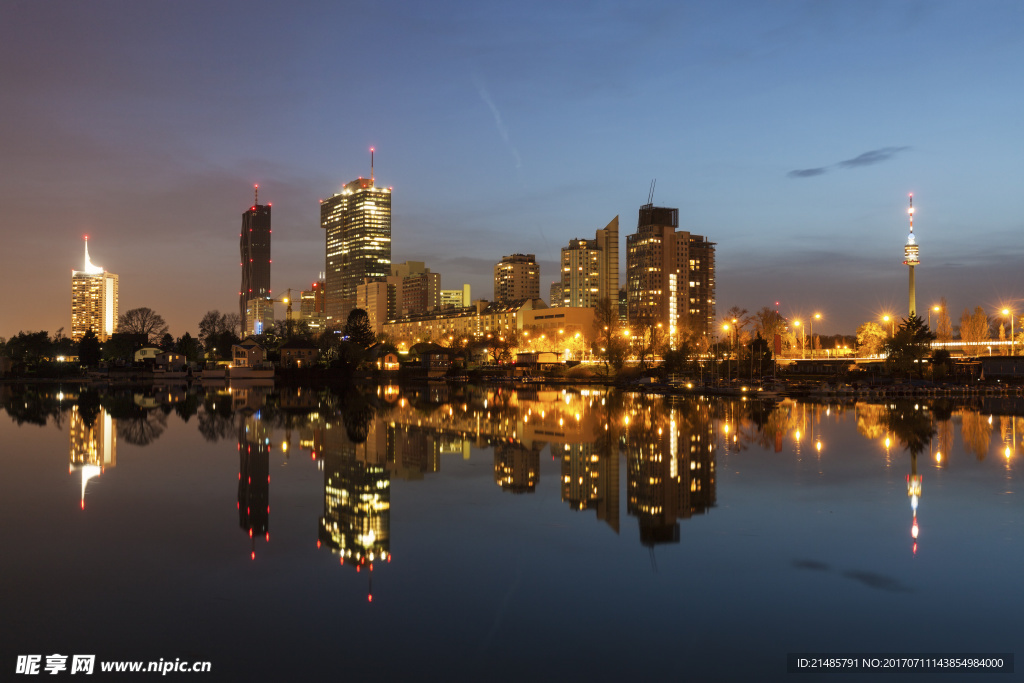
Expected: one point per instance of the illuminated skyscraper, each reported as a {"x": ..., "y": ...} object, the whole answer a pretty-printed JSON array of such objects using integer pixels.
[
  {"x": 254, "y": 246},
  {"x": 516, "y": 277},
  {"x": 670, "y": 275},
  {"x": 357, "y": 226},
  {"x": 93, "y": 300},
  {"x": 590, "y": 269}
]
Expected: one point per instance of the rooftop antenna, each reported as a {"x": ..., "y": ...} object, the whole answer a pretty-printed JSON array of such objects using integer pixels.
[
  {"x": 256, "y": 199},
  {"x": 371, "y": 165},
  {"x": 650, "y": 195}
]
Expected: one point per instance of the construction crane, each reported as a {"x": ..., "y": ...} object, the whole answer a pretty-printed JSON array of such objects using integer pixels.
[{"x": 287, "y": 301}]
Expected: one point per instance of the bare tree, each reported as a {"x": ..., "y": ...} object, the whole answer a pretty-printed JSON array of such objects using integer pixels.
[
  {"x": 944, "y": 326},
  {"x": 769, "y": 323},
  {"x": 142, "y": 321},
  {"x": 974, "y": 327}
]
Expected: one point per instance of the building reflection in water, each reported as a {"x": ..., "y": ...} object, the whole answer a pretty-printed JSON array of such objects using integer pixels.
[
  {"x": 357, "y": 492},
  {"x": 254, "y": 478},
  {"x": 363, "y": 441},
  {"x": 517, "y": 466},
  {"x": 93, "y": 444},
  {"x": 670, "y": 460}
]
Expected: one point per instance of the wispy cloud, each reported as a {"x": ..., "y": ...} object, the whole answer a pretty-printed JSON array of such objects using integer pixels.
[
  {"x": 498, "y": 122},
  {"x": 874, "y": 156},
  {"x": 807, "y": 172}
]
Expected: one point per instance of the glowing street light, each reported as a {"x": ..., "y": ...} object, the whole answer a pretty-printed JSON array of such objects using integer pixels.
[
  {"x": 810, "y": 323},
  {"x": 1009, "y": 313},
  {"x": 803, "y": 338},
  {"x": 892, "y": 324}
]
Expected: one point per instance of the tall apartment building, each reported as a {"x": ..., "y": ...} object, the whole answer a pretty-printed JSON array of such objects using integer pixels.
[
  {"x": 555, "y": 294},
  {"x": 311, "y": 307},
  {"x": 357, "y": 229},
  {"x": 516, "y": 277},
  {"x": 417, "y": 290},
  {"x": 670, "y": 275},
  {"x": 93, "y": 300},
  {"x": 456, "y": 298},
  {"x": 254, "y": 249},
  {"x": 590, "y": 268},
  {"x": 421, "y": 293},
  {"x": 378, "y": 299},
  {"x": 311, "y": 302}
]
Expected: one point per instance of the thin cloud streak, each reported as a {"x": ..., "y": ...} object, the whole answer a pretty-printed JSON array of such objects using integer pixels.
[
  {"x": 869, "y": 158},
  {"x": 875, "y": 156},
  {"x": 498, "y": 122}
]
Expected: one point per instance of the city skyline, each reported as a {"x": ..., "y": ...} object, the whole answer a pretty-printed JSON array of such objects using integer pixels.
[{"x": 790, "y": 134}]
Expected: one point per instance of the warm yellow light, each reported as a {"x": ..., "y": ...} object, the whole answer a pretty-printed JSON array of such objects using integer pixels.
[{"x": 1006, "y": 311}]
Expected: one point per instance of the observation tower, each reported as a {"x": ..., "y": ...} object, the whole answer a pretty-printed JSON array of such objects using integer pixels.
[{"x": 910, "y": 256}]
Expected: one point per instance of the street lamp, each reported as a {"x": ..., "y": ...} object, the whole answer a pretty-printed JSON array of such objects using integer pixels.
[
  {"x": 803, "y": 338},
  {"x": 933, "y": 308},
  {"x": 728, "y": 356},
  {"x": 1007, "y": 312},
  {"x": 816, "y": 316},
  {"x": 892, "y": 324}
]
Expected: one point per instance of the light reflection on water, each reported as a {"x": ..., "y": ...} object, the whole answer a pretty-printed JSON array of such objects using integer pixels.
[{"x": 613, "y": 532}]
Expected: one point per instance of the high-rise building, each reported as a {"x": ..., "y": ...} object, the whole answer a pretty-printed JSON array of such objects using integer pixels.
[
  {"x": 311, "y": 306},
  {"x": 670, "y": 275},
  {"x": 421, "y": 293},
  {"x": 378, "y": 300},
  {"x": 254, "y": 249},
  {"x": 93, "y": 300},
  {"x": 555, "y": 294},
  {"x": 417, "y": 290},
  {"x": 590, "y": 268},
  {"x": 259, "y": 316},
  {"x": 311, "y": 302},
  {"x": 357, "y": 225},
  {"x": 516, "y": 277},
  {"x": 456, "y": 298}
]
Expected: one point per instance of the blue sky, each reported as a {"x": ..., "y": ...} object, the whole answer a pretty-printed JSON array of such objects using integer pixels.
[{"x": 514, "y": 127}]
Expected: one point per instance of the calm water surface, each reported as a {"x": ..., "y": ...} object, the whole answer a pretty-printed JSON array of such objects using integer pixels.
[{"x": 486, "y": 534}]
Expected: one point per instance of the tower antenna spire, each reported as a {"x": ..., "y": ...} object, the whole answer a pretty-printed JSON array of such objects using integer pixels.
[
  {"x": 650, "y": 195},
  {"x": 256, "y": 199},
  {"x": 371, "y": 165}
]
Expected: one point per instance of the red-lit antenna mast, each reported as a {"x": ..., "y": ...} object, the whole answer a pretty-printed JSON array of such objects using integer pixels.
[
  {"x": 371, "y": 165},
  {"x": 256, "y": 199}
]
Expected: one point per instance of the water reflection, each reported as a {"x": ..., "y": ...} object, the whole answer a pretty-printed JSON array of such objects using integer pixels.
[
  {"x": 93, "y": 442},
  {"x": 362, "y": 440}
]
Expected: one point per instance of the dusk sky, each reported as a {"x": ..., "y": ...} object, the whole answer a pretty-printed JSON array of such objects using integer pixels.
[{"x": 789, "y": 133}]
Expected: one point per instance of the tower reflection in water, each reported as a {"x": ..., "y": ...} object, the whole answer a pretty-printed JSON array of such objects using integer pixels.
[
  {"x": 357, "y": 492},
  {"x": 254, "y": 478},
  {"x": 93, "y": 444}
]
